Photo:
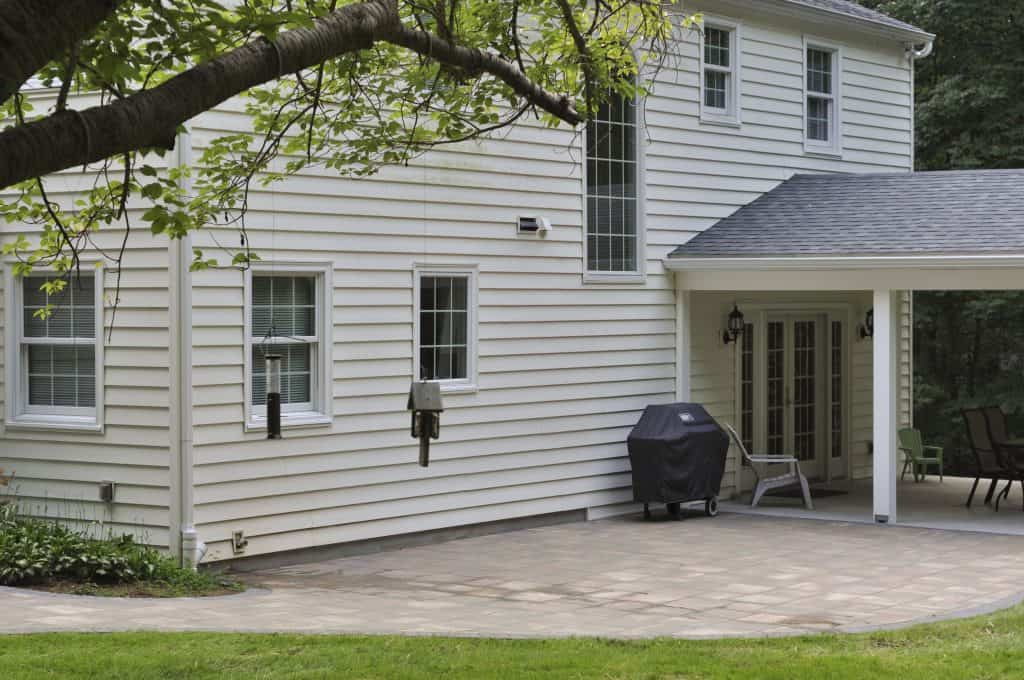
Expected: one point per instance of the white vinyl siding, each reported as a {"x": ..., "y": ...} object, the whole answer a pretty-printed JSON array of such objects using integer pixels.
[
  {"x": 285, "y": 311},
  {"x": 612, "y": 174},
  {"x": 720, "y": 81},
  {"x": 823, "y": 106},
  {"x": 58, "y": 468}
]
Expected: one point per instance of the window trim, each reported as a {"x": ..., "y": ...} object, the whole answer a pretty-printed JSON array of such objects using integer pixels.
[
  {"x": 834, "y": 148},
  {"x": 321, "y": 410},
  {"x": 639, "y": 275},
  {"x": 17, "y": 414},
  {"x": 471, "y": 383},
  {"x": 732, "y": 115}
]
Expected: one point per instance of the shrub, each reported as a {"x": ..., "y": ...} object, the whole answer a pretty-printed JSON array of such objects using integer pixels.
[{"x": 34, "y": 551}]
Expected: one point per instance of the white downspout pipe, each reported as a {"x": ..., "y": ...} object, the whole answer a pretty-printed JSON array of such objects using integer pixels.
[
  {"x": 921, "y": 52},
  {"x": 192, "y": 549}
]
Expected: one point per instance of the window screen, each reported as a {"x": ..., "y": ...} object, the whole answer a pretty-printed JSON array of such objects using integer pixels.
[
  {"x": 284, "y": 322},
  {"x": 59, "y": 347}
]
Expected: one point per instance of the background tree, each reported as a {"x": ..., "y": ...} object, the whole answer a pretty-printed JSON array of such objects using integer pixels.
[
  {"x": 969, "y": 346},
  {"x": 347, "y": 84}
]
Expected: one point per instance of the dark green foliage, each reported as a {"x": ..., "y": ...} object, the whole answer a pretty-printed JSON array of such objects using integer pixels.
[
  {"x": 969, "y": 346},
  {"x": 970, "y": 93},
  {"x": 34, "y": 552}
]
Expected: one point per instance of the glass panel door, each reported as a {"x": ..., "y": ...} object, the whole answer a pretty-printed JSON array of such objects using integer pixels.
[
  {"x": 805, "y": 390},
  {"x": 776, "y": 383}
]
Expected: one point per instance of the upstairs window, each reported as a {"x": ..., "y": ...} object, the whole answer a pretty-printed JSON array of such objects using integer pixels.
[
  {"x": 720, "y": 57},
  {"x": 613, "y": 243},
  {"x": 822, "y": 105},
  {"x": 54, "y": 379}
]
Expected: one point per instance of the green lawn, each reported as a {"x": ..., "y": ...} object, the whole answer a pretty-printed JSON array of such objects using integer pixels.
[{"x": 982, "y": 648}]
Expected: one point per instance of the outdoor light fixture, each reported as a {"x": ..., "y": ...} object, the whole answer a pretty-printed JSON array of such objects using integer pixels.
[
  {"x": 273, "y": 396},
  {"x": 735, "y": 326},
  {"x": 867, "y": 329}
]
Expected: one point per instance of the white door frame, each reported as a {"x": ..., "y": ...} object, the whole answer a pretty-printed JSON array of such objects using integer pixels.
[{"x": 758, "y": 313}]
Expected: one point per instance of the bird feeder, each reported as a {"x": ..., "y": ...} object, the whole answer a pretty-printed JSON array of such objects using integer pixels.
[
  {"x": 425, "y": 407},
  {"x": 273, "y": 365}
]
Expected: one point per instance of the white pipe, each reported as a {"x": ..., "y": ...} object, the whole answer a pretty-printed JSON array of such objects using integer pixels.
[
  {"x": 922, "y": 53},
  {"x": 192, "y": 548}
]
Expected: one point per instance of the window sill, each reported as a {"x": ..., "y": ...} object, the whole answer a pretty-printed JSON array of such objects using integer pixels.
[
  {"x": 459, "y": 388},
  {"x": 613, "y": 277},
  {"x": 54, "y": 423},
  {"x": 720, "y": 120},
  {"x": 291, "y": 421},
  {"x": 830, "y": 152}
]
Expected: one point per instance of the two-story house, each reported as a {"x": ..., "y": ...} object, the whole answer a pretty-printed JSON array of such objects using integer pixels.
[{"x": 548, "y": 344}]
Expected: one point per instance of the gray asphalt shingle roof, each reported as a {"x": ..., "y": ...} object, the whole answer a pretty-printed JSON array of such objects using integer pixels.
[
  {"x": 859, "y": 11},
  {"x": 925, "y": 213}
]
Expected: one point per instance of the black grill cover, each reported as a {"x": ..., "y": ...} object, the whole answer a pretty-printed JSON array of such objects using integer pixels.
[{"x": 678, "y": 454}]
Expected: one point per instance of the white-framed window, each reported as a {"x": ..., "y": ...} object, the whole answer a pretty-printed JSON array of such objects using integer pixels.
[
  {"x": 822, "y": 97},
  {"x": 288, "y": 312},
  {"x": 720, "y": 79},
  {"x": 614, "y": 243},
  {"x": 55, "y": 359},
  {"x": 445, "y": 326}
]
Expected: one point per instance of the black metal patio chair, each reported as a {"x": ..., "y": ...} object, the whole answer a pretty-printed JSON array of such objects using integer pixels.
[
  {"x": 988, "y": 462},
  {"x": 1011, "y": 454}
]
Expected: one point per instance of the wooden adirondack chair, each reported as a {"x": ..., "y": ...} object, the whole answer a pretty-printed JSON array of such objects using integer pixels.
[
  {"x": 792, "y": 478},
  {"x": 917, "y": 456}
]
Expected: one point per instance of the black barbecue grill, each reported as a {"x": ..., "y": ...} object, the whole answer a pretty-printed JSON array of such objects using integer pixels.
[{"x": 678, "y": 456}]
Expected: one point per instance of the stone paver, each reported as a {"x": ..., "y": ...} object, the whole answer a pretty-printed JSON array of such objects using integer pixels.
[{"x": 735, "y": 575}]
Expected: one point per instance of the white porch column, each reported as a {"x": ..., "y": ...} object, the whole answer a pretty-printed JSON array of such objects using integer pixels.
[
  {"x": 683, "y": 353},
  {"x": 886, "y": 403}
]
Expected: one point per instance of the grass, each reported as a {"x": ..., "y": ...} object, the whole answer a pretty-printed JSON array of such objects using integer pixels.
[{"x": 987, "y": 647}]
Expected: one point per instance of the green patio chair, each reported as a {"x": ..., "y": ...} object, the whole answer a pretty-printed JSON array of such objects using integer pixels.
[{"x": 914, "y": 452}]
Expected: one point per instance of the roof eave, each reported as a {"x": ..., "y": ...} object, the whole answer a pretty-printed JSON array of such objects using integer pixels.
[
  {"x": 799, "y": 8},
  {"x": 840, "y": 262}
]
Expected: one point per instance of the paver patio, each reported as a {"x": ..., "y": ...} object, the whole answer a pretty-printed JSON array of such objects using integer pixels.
[{"x": 735, "y": 575}]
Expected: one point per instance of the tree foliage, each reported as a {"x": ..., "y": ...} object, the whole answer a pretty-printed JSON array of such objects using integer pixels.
[
  {"x": 351, "y": 85},
  {"x": 969, "y": 346}
]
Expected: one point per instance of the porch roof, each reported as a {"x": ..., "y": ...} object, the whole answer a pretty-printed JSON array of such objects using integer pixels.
[{"x": 954, "y": 214}]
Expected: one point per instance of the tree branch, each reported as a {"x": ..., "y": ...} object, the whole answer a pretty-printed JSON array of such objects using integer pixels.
[
  {"x": 35, "y": 32},
  {"x": 150, "y": 119}
]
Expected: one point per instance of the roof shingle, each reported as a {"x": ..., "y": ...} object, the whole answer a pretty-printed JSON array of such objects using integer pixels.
[
  {"x": 926, "y": 213},
  {"x": 859, "y": 11}
]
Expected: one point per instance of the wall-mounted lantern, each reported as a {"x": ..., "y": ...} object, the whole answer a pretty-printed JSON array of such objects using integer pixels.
[
  {"x": 867, "y": 329},
  {"x": 273, "y": 363},
  {"x": 735, "y": 327},
  {"x": 425, "y": 405}
]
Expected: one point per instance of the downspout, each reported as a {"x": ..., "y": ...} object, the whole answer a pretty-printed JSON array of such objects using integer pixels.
[
  {"x": 914, "y": 53},
  {"x": 192, "y": 549}
]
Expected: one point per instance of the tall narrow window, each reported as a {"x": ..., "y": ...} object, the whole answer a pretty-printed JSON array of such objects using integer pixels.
[
  {"x": 836, "y": 388},
  {"x": 612, "y": 231},
  {"x": 286, "y": 317},
  {"x": 55, "y": 377},
  {"x": 446, "y": 328},
  {"x": 747, "y": 388},
  {"x": 822, "y": 81},
  {"x": 720, "y": 58}
]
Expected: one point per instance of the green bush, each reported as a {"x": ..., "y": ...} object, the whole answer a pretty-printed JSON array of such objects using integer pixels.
[{"x": 34, "y": 551}]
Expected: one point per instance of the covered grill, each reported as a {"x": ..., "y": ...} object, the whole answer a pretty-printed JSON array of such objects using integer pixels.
[{"x": 677, "y": 452}]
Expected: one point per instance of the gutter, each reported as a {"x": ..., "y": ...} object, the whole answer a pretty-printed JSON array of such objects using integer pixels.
[
  {"x": 180, "y": 316},
  {"x": 834, "y": 262}
]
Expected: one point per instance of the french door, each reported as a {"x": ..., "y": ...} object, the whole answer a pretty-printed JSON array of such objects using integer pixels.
[{"x": 792, "y": 391}]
